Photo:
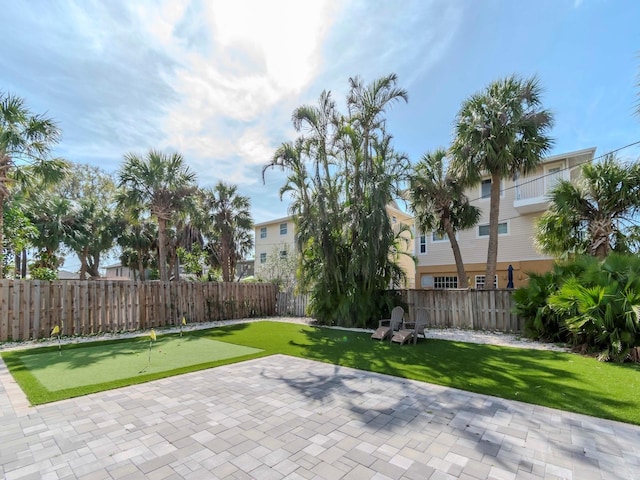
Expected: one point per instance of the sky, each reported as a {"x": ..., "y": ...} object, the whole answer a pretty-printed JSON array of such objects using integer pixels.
[{"x": 217, "y": 81}]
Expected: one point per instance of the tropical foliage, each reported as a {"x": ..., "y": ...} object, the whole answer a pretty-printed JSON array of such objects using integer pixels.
[
  {"x": 595, "y": 304},
  {"x": 159, "y": 185},
  {"x": 594, "y": 215},
  {"x": 230, "y": 230},
  {"x": 342, "y": 174},
  {"x": 439, "y": 203},
  {"x": 500, "y": 132},
  {"x": 280, "y": 268},
  {"x": 26, "y": 140}
]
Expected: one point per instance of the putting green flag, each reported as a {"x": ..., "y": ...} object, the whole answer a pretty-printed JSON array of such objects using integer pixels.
[
  {"x": 152, "y": 335},
  {"x": 184, "y": 321},
  {"x": 55, "y": 331}
]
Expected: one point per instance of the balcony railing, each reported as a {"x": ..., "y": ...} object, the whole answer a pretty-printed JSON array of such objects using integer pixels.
[{"x": 532, "y": 190}]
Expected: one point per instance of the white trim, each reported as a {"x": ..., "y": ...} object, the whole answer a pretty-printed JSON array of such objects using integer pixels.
[
  {"x": 483, "y": 281},
  {"x": 499, "y": 234}
]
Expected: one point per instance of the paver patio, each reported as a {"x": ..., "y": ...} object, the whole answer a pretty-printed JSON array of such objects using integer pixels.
[{"x": 283, "y": 417}]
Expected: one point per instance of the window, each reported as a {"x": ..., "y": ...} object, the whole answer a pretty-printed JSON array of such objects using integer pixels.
[
  {"x": 283, "y": 254},
  {"x": 283, "y": 229},
  {"x": 439, "y": 237},
  {"x": 480, "y": 282},
  {"x": 426, "y": 281},
  {"x": 263, "y": 232},
  {"x": 483, "y": 230},
  {"x": 485, "y": 188},
  {"x": 445, "y": 282},
  {"x": 394, "y": 219},
  {"x": 423, "y": 244},
  {"x": 263, "y": 258}
]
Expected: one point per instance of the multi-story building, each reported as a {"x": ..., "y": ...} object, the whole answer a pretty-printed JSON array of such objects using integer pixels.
[
  {"x": 279, "y": 236},
  {"x": 522, "y": 201}
]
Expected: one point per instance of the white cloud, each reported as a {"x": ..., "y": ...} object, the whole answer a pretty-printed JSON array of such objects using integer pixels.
[{"x": 248, "y": 57}]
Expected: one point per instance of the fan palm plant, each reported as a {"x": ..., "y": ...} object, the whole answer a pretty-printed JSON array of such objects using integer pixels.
[
  {"x": 595, "y": 214},
  {"x": 500, "y": 132},
  {"x": 439, "y": 203}
]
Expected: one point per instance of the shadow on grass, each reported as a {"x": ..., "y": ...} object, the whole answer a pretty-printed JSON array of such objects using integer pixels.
[{"x": 554, "y": 379}]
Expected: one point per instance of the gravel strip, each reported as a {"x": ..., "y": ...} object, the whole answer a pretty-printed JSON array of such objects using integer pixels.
[{"x": 453, "y": 334}]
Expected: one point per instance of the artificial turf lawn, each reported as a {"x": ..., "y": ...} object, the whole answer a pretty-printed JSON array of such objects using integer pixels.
[
  {"x": 103, "y": 363},
  {"x": 554, "y": 379}
]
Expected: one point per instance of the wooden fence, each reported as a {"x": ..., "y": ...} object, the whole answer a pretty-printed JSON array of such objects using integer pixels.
[
  {"x": 29, "y": 309},
  {"x": 289, "y": 304},
  {"x": 470, "y": 309}
]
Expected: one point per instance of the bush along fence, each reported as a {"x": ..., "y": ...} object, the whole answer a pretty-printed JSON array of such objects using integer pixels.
[
  {"x": 491, "y": 310},
  {"x": 29, "y": 309}
]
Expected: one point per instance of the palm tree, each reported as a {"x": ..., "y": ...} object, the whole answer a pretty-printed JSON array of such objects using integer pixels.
[
  {"x": 162, "y": 185},
  {"x": 25, "y": 144},
  {"x": 230, "y": 237},
  {"x": 500, "y": 132},
  {"x": 56, "y": 221},
  {"x": 137, "y": 240},
  {"x": 594, "y": 214},
  {"x": 439, "y": 203}
]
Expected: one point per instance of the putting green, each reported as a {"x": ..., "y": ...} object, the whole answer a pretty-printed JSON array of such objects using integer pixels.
[{"x": 97, "y": 364}]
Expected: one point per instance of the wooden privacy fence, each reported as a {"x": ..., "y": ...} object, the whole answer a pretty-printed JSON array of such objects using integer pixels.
[
  {"x": 469, "y": 309},
  {"x": 289, "y": 304},
  {"x": 29, "y": 309}
]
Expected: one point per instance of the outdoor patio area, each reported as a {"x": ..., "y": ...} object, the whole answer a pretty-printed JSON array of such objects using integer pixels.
[{"x": 284, "y": 417}]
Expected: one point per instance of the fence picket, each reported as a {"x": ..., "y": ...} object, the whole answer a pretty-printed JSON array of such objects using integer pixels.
[{"x": 31, "y": 308}]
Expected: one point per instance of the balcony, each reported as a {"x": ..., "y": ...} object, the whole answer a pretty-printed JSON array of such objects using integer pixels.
[{"x": 532, "y": 190}]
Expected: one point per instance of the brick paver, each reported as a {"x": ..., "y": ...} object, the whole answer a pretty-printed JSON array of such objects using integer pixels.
[{"x": 282, "y": 417}]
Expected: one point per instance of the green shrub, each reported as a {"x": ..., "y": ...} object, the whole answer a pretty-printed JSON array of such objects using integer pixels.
[
  {"x": 600, "y": 307},
  {"x": 43, "y": 273},
  {"x": 541, "y": 322}
]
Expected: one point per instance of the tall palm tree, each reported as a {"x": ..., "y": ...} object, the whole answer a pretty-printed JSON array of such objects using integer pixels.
[
  {"x": 594, "y": 214},
  {"x": 230, "y": 237},
  {"x": 25, "y": 145},
  {"x": 500, "y": 132},
  {"x": 439, "y": 203},
  {"x": 161, "y": 184}
]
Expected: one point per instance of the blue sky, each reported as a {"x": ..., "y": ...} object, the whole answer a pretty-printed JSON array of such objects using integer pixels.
[{"x": 217, "y": 80}]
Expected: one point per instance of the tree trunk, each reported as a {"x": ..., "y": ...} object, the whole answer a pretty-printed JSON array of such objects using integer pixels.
[
  {"x": 492, "y": 249},
  {"x": 141, "y": 266},
  {"x": 93, "y": 265},
  {"x": 23, "y": 272},
  {"x": 2, "y": 199},
  {"x": 16, "y": 265},
  {"x": 162, "y": 249},
  {"x": 83, "y": 263},
  {"x": 462, "y": 276}
]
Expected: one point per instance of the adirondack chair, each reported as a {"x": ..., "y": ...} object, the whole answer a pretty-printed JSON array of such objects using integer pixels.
[
  {"x": 387, "y": 326},
  {"x": 411, "y": 330}
]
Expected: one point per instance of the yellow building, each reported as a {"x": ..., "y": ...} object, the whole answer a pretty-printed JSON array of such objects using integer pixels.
[
  {"x": 275, "y": 234},
  {"x": 522, "y": 201}
]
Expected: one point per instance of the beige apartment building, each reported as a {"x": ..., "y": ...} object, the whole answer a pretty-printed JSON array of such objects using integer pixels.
[
  {"x": 272, "y": 236},
  {"x": 523, "y": 200}
]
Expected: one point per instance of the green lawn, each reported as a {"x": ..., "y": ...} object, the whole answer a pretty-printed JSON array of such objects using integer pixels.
[{"x": 554, "y": 379}]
